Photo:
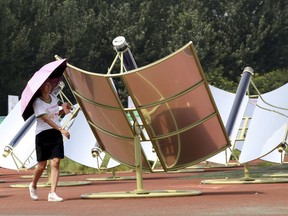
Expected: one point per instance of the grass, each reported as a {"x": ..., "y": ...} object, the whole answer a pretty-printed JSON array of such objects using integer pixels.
[
  {"x": 70, "y": 166},
  {"x": 255, "y": 171}
]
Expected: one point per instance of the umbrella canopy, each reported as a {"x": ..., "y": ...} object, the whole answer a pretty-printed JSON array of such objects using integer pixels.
[{"x": 53, "y": 70}]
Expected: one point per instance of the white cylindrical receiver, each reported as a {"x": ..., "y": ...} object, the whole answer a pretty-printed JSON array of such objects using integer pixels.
[
  {"x": 249, "y": 70},
  {"x": 120, "y": 43}
]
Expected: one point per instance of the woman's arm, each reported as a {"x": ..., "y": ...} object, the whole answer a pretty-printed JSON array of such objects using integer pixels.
[{"x": 46, "y": 119}]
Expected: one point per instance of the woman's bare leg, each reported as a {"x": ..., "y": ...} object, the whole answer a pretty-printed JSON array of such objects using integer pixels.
[
  {"x": 38, "y": 173},
  {"x": 55, "y": 164}
]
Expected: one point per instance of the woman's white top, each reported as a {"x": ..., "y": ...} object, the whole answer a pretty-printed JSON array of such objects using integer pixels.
[{"x": 51, "y": 109}]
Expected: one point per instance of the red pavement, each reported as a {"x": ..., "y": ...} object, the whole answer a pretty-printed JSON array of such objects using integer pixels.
[{"x": 244, "y": 199}]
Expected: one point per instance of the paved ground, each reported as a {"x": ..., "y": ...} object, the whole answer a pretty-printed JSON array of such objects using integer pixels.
[{"x": 228, "y": 199}]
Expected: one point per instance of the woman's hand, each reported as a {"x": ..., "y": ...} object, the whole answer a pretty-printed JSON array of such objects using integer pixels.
[
  {"x": 65, "y": 133},
  {"x": 66, "y": 107}
]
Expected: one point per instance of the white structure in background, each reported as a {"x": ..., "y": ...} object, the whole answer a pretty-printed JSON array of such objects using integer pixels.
[
  {"x": 18, "y": 137},
  {"x": 268, "y": 128},
  {"x": 22, "y": 153},
  {"x": 12, "y": 101},
  {"x": 78, "y": 147},
  {"x": 224, "y": 101}
]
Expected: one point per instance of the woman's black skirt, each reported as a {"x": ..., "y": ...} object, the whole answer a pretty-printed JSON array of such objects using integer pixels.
[{"x": 49, "y": 145}]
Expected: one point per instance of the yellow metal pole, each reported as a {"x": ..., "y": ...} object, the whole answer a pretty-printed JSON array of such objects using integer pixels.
[
  {"x": 138, "y": 162},
  {"x": 113, "y": 63},
  {"x": 246, "y": 174}
]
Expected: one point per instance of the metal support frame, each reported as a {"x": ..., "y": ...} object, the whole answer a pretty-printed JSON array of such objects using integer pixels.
[
  {"x": 8, "y": 150},
  {"x": 138, "y": 163},
  {"x": 246, "y": 179},
  {"x": 121, "y": 46},
  {"x": 26, "y": 126}
]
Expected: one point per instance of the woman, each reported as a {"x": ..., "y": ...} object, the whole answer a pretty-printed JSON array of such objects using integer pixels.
[{"x": 49, "y": 140}]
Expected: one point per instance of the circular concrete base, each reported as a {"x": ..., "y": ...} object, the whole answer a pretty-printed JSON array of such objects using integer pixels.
[
  {"x": 112, "y": 178},
  {"x": 47, "y": 184},
  {"x": 247, "y": 181},
  {"x": 142, "y": 194},
  {"x": 214, "y": 165},
  {"x": 187, "y": 170},
  {"x": 276, "y": 175}
]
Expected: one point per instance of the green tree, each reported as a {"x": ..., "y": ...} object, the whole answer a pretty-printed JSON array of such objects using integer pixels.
[
  {"x": 15, "y": 57},
  {"x": 227, "y": 35},
  {"x": 255, "y": 29},
  {"x": 269, "y": 81}
]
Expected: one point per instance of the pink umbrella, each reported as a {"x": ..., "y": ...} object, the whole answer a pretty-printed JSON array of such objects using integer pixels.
[{"x": 53, "y": 70}]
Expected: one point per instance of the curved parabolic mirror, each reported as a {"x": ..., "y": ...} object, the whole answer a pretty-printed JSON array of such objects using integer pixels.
[
  {"x": 81, "y": 142},
  {"x": 268, "y": 127},
  {"x": 177, "y": 109},
  {"x": 23, "y": 155},
  {"x": 173, "y": 101},
  {"x": 103, "y": 110},
  {"x": 224, "y": 108}
]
